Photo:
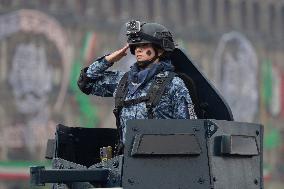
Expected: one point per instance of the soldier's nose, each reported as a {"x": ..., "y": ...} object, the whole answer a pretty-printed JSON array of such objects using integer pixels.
[{"x": 138, "y": 49}]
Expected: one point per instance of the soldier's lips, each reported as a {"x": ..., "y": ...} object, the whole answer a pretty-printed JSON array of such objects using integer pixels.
[{"x": 139, "y": 57}]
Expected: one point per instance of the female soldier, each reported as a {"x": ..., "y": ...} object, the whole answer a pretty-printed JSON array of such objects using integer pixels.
[{"x": 150, "y": 90}]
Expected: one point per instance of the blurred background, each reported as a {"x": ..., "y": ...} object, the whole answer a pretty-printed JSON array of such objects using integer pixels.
[{"x": 238, "y": 45}]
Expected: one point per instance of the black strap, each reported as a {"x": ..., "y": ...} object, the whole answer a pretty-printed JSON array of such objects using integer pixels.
[
  {"x": 152, "y": 98},
  {"x": 121, "y": 93},
  {"x": 157, "y": 90},
  {"x": 135, "y": 101}
]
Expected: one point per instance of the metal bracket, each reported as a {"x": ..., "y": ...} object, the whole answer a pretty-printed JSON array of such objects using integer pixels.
[
  {"x": 211, "y": 128},
  {"x": 40, "y": 176}
]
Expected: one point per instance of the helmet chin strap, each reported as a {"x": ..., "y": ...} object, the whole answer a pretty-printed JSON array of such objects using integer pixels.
[{"x": 144, "y": 64}]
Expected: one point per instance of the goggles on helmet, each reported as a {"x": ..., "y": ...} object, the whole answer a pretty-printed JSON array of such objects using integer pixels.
[{"x": 133, "y": 27}]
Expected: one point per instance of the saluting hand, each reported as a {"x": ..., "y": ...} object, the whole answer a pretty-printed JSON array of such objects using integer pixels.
[{"x": 117, "y": 55}]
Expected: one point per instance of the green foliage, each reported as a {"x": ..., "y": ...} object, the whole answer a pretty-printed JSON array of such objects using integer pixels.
[
  {"x": 88, "y": 112},
  {"x": 272, "y": 138},
  {"x": 266, "y": 80}
]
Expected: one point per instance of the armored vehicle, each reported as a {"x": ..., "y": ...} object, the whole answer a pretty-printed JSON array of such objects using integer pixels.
[{"x": 212, "y": 152}]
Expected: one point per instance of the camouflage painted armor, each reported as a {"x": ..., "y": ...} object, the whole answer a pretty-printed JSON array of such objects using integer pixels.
[{"x": 174, "y": 104}]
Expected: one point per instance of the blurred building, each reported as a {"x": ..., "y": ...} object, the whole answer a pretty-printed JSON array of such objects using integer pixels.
[{"x": 238, "y": 44}]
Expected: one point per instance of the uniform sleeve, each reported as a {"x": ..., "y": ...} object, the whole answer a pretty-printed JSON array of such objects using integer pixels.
[
  {"x": 183, "y": 108},
  {"x": 103, "y": 82}
]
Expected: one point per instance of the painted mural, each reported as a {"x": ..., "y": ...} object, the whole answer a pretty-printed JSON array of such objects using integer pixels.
[
  {"x": 254, "y": 91},
  {"x": 236, "y": 69},
  {"x": 38, "y": 76}
]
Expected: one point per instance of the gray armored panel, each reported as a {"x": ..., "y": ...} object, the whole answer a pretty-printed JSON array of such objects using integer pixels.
[
  {"x": 184, "y": 154},
  {"x": 165, "y": 154},
  {"x": 235, "y": 151}
]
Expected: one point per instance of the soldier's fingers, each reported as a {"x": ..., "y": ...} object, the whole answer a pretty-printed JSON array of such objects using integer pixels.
[
  {"x": 122, "y": 51},
  {"x": 125, "y": 47}
]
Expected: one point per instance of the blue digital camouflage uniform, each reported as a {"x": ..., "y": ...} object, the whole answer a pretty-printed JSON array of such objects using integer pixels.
[{"x": 174, "y": 104}]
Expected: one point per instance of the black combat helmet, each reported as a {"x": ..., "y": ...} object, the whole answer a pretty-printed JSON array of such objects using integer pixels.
[{"x": 141, "y": 32}]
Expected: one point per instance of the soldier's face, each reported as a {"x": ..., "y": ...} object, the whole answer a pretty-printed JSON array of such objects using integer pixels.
[{"x": 144, "y": 52}]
